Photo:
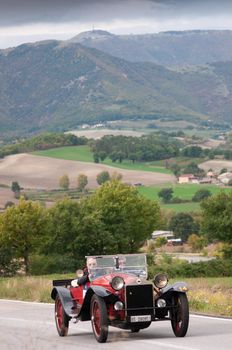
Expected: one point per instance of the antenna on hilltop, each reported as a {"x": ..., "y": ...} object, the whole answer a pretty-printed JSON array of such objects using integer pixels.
[{"x": 93, "y": 28}]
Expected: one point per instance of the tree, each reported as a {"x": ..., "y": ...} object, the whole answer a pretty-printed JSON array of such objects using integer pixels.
[
  {"x": 64, "y": 182},
  {"x": 201, "y": 194},
  {"x": 8, "y": 264},
  {"x": 22, "y": 228},
  {"x": 165, "y": 194},
  {"x": 160, "y": 241},
  {"x": 16, "y": 189},
  {"x": 102, "y": 155},
  {"x": 96, "y": 158},
  {"x": 103, "y": 177},
  {"x": 193, "y": 168},
  {"x": 183, "y": 225},
  {"x": 62, "y": 229},
  {"x": 217, "y": 218},
  {"x": 175, "y": 168},
  {"x": 192, "y": 151},
  {"x": 196, "y": 242},
  {"x": 82, "y": 181},
  {"x": 125, "y": 215}
]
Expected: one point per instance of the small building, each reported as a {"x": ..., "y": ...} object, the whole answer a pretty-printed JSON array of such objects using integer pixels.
[
  {"x": 186, "y": 178},
  {"x": 161, "y": 233}
]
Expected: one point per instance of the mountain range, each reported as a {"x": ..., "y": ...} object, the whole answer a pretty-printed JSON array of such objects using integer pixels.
[
  {"x": 174, "y": 48},
  {"x": 58, "y": 85}
]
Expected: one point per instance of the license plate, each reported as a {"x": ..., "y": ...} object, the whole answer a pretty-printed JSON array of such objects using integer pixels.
[{"x": 142, "y": 318}]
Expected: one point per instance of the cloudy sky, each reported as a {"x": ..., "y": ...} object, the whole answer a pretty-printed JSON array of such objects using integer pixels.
[{"x": 31, "y": 20}]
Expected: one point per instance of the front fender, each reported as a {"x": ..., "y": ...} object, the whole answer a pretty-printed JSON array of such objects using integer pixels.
[
  {"x": 175, "y": 287},
  {"x": 66, "y": 300},
  {"x": 99, "y": 291}
]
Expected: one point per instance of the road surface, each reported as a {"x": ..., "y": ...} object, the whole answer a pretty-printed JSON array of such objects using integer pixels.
[{"x": 29, "y": 326}]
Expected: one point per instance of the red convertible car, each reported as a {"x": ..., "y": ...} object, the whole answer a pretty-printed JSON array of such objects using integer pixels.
[{"x": 117, "y": 293}]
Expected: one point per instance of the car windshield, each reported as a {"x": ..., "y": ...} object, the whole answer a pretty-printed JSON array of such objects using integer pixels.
[{"x": 135, "y": 264}]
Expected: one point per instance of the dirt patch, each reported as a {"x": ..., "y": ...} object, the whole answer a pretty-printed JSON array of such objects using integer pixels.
[
  {"x": 210, "y": 143},
  {"x": 6, "y": 195},
  {"x": 216, "y": 165},
  {"x": 43, "y": 173}
]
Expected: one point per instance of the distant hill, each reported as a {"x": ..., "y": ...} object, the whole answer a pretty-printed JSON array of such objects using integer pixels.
[
  {"x": 193, "y": 47},
  {"x": 53, "y": 85}
]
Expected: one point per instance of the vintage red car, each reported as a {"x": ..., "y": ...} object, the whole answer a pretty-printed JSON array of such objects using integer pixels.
[{"x": 118, "y": 294}]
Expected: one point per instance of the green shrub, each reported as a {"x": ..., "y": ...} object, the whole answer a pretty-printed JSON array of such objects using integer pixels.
[
  {"x": 179, "y": 268},
  {"x": 47, "y": 264}
]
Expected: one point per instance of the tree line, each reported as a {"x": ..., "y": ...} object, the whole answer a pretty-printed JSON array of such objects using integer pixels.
[
  {"x": 145, "y": 148},
  {"x": 42, "y": 142}
]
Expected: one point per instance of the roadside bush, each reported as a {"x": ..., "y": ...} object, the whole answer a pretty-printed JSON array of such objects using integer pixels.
[
  {"x": 179, "y": 268},
  {"x": 8, "y": 265},
  {"x": 47, "y": 264}
]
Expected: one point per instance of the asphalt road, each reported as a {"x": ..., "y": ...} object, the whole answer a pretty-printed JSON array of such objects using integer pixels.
[{"x": 30, "y": 326}]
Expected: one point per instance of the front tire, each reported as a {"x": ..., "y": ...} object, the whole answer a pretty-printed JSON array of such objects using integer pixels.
[
  {"x": 99, "y": 318},
  {"x": 61, "y": 318},
  {"x": 180, "y": 315}
]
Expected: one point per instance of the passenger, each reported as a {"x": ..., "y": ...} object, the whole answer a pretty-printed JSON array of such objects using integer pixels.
[{"x": 91, "y": 264}]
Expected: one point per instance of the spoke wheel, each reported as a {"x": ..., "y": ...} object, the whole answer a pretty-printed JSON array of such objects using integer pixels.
[
  {"x": 99, "y": 318},
  {"x": 61, "y": 318},
  {"x": 180, "y": 315}
]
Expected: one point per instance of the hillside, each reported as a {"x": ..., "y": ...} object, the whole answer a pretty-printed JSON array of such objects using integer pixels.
[
  {"x": 194, "y": 47},
  {"x": 54, "y": 85}
]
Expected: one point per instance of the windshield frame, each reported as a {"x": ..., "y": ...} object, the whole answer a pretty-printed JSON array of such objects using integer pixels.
[{"x": 131, "y": 264}]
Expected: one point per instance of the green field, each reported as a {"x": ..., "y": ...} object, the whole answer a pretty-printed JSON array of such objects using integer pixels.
[
  {"x": 78, "y": 153},
  {"x": 84, "y": 154},
  {"x": 183, "y": 191}
]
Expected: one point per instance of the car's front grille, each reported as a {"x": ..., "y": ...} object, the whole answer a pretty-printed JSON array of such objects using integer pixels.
[{"x": 139, "y": 300}]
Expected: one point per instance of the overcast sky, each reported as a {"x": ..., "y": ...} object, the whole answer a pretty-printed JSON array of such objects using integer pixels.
[{"x": 31, "y": 20}]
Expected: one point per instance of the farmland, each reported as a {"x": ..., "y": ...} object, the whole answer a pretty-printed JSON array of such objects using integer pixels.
[
  {"x": 83, "y": 154},
  {"x": 183, "y": 191},
  {"x": 42, "y": 170}
]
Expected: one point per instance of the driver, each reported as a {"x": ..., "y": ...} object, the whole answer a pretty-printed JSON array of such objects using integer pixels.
[{"x": 91, "y": 264}]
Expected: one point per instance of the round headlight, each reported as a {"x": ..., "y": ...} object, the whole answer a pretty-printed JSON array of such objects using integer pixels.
[
  {"x": 161, "y": 303},
  {"x": 117, "y": 283},
  {"x": 161, "y": 280},
  {"x": 118, "y": 306}
]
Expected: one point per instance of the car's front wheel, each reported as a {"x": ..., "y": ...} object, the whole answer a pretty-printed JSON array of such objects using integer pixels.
[
  {"x": 180, "y": 315},
  {"x": 61, "y": 318},
  {"x": 99, "y": 318}
]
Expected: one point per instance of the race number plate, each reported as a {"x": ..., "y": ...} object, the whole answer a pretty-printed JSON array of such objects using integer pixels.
[{"x": 142, "y": 318}]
